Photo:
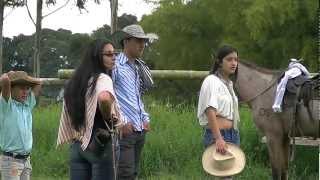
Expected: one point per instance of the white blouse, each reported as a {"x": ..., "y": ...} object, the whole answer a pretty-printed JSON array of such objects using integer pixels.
[{"x": 214, "y": 93}]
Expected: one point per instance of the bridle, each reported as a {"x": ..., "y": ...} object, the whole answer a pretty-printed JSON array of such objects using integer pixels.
[{"x": 259, "y": 93}]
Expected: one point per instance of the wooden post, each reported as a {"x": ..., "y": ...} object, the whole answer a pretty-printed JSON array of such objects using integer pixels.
[{"x": 1, "y": 35}]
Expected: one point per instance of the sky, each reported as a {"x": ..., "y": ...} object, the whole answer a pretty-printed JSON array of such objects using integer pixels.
[{"x": 18, "y": 22}]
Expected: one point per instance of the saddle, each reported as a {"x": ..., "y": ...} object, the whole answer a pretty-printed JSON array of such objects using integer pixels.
[{"x": 301, "y": 89}]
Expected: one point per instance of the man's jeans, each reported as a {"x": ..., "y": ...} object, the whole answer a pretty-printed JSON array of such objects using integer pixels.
[
  {"x": 86, "y": 165},
  {"x": 130, "y": 151},
  {"x": 15, "y": 169}
]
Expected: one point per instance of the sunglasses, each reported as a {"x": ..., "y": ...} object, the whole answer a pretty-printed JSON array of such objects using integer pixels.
[{"x": 110, "y": 54}]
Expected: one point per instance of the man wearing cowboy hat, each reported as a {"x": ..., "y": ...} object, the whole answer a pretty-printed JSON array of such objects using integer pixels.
[
  {"x": 127, "y": 87},
  {"x": 17, "y": 100}
]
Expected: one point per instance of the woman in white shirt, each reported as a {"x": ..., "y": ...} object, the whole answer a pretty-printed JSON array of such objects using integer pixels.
[{"x": 218, "y": 104}]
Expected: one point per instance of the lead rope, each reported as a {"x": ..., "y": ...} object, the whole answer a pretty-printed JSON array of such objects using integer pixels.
[{"x": 114, "y": 136}]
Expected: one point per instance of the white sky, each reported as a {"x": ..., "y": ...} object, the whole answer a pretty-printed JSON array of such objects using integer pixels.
[{"x": 18, "y": 22}]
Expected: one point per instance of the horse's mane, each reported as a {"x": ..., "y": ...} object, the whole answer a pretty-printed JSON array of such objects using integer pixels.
[{"x": 258, "y": 68}]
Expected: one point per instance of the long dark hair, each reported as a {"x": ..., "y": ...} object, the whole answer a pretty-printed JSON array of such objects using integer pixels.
[
  {"x": 223, "y": 52},
  {"x": 76, "y": 89}
]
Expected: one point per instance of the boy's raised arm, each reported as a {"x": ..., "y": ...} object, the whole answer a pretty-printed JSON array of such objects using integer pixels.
[
  {"x": 5, "y": 86},
  {"x": 36, "y": 90}
]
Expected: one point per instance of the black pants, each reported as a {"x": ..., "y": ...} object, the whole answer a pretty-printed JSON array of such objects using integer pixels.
[
  {"x": 86, "y": 165},
  {"x": 130, "y": 151}
]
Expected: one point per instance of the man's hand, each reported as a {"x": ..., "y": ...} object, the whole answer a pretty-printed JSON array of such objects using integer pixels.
[
  {"x": 4, "y": 78},
  {"x": 146, "y": 126},
  {"x": 127, "y": 129}
]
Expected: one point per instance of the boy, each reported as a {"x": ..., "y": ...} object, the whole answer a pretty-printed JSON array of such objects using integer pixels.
[{"x": 17, "y": 99}]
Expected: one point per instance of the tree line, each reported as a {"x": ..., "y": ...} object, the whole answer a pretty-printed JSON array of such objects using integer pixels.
[
  {"x": 60, "y": 49},
  {"x": 267, "y": 33},
  {"x": 38, "y": 22}
]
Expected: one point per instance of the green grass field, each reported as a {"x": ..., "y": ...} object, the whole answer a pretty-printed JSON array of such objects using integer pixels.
[{"x": 173, "y": 148}]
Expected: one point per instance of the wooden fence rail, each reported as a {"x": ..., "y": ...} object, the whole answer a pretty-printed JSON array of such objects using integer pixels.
[
  {"x": 302, "y": 141},
  {"x": 64, "y": 74}
]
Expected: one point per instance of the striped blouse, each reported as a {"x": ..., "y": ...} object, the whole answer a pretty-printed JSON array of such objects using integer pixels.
[{"x": 67, "y": 133}]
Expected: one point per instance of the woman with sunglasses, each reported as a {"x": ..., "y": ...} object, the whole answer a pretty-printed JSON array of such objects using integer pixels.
[{"x": 90, "y": 112}]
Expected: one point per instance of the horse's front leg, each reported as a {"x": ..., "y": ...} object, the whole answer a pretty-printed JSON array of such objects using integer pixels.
[
  {"x": 277, "y": 156},
  {"x": 286, "y": 153}
]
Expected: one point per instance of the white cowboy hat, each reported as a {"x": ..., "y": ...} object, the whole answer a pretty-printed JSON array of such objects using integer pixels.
[
  {"x": 136, "y": 31},
  {"x": 133, "y": 30},
  {"x": 221, "y": 165}
]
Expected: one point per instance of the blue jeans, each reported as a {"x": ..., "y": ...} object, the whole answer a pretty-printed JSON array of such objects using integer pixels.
[
  {"x": 130, "y": 151},
  {"x": 229, "y": 135},
  {"x": 86, "y": 165},
  {"x": 15, "y": 169}
]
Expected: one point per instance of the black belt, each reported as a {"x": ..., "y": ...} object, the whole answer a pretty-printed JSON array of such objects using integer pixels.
[
  {"x": 139, "y": 132},
  {"x": 17, "y": 156}
]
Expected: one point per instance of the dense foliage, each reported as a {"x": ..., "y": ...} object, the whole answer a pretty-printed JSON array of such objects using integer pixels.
[{"x": 268, "y": 33}]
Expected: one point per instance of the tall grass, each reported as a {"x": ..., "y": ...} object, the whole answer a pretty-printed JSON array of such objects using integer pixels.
[{"x": 173, "y": 148}]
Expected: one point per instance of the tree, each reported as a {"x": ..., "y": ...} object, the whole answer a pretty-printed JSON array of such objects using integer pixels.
[
  {"x": 77, "y": 47},
  {"x": 3, "y": 4},
  {"x": 38, "y": 24},
  {"x": 102, "y": 32},
  {"x": 187, "y": 35},
  {"x": 105, "y": 30},
  {"x": 268, "y": 33},
  {"x": 114, "y": 15},
  {"x": 125, "y": 20},
  {"x": 80, "y": 4},
  {"x": 17, "y": 53},
  {"x": 282, "y": 30}
]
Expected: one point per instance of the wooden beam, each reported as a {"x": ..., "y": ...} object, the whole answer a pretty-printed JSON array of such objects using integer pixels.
[
  {"x": 157, "y": 74},
  {"x": 302, "y": 141},
  {"x": 52, "y": 81},
  {"x": 64, "y": 74}
]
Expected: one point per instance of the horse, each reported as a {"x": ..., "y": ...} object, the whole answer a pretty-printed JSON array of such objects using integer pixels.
[{"x": 256, "y": 86}]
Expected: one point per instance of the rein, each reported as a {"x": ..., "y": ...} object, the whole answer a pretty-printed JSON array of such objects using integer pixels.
[
  {"x": 114, "y": 138},
  {"x": 260, "y": 93}
]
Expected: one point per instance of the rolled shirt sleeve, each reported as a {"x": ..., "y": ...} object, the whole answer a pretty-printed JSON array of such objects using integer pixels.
[
  {"x": 207, "y": 98},
  {"x": 4, "y": 105},
  {"x": 31, "y": 100}
]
